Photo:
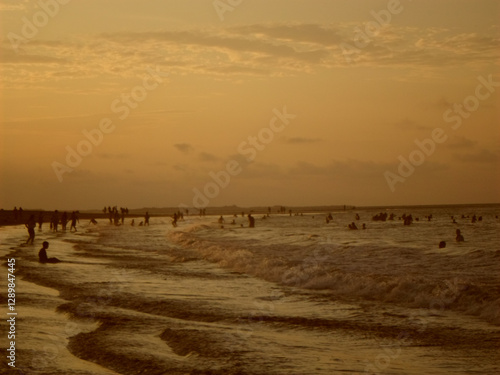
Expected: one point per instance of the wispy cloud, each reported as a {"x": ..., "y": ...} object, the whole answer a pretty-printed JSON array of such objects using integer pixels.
[
  {"x": 244, "y": 51},
  {"x": 12, "y": 5}
]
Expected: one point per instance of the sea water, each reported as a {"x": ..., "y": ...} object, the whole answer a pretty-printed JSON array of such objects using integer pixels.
[{"x": 294, "y": 295}]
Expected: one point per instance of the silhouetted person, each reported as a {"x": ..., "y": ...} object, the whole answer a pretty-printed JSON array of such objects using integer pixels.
[
  {"x": 40, "y": 221},
  {"x": 92, "y": 221},
  {"x": 251, "y": 221},
  {"x": 74, "y": 219},
  {"x": 353, "y": 226},
  {"x": 459, "y": 237},
  {"x": 55, "y": 220},
  {"x": 64, "y": 220},
  {"x": 42, "y": 254},
  {"x": 146, "y": 218},
  {"x": 31, "y": 225},
  {"x": 442, "y": 244}
]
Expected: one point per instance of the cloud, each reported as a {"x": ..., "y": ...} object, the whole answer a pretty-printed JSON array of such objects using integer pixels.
[
  {"x": 482, "y": 157},
  {"x": 460, "y": 142},
  {"x": 185, "y": 148},
  {"x": 12, "y": 5},
  {"x": 205, "y": 156},
  {"x": 295, "y": 32},
  {"x": 180, "y": 167},
  {"x": 257, "y": 50},
  {"x": 408, "y": 124}
]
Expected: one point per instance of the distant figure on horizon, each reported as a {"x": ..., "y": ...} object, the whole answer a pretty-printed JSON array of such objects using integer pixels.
[
  {"x": 251, "y": 221},
  {"x": 146, "y": 218},
  {"x": 42, "y": 254},
  {"x": 221, "y": 219},
  {"x": 459, "y": 237},
  {"x": 31, "y": 225},
  {"x": 133, "y": 222}
]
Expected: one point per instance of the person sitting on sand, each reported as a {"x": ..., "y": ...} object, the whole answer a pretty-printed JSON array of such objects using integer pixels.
[
  {"x": 459, "y": 237},
  {"x": 42, "y": 254}
]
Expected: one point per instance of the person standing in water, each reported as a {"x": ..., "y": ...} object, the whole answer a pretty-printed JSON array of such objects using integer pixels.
[
  {"x": 74, "y": 219},
  {"x": 251, "y": 221},
  {"x": 31, "y": 225}
]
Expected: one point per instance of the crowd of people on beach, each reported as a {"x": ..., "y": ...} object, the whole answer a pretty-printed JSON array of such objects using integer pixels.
[{"x": 117, "y": 216}]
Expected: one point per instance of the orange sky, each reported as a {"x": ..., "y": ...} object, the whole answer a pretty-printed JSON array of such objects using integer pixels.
[{"x": 185, "y": 102}]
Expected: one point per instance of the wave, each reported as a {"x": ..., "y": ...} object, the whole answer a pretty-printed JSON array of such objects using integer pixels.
[{"x": 349, "y": 271}]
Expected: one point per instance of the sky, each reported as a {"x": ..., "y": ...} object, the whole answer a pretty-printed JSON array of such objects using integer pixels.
[{"x": 198, "y": 103}]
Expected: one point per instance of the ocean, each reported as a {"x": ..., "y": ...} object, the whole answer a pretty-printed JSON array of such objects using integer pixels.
[{"x": 294, "y": 295}]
